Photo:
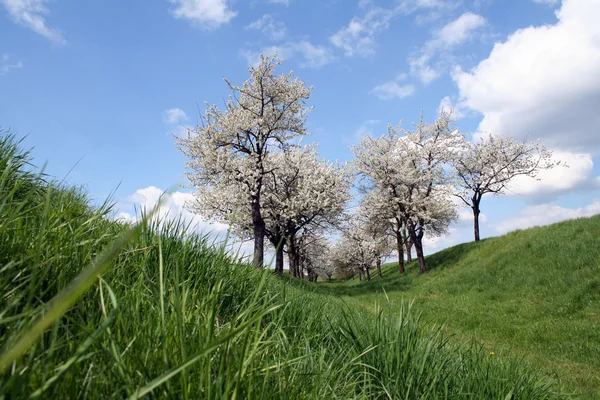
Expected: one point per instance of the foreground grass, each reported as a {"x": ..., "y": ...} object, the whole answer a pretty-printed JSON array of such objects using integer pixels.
[
  {"x": 534, "y": 293},
  {"x": 175, "y": 317}
]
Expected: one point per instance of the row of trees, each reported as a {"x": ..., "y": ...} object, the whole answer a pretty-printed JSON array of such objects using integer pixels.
[{"x": 249, "y": 170}]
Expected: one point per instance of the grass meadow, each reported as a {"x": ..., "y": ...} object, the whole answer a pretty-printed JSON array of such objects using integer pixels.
[
  {"x": 533, "y": 294},
  {"x": 93, "y": 308}
]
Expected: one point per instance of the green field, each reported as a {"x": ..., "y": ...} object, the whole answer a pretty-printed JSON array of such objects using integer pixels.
[
  {"x": 533, "y": 293},
  {"x": 173, "y": 316}
]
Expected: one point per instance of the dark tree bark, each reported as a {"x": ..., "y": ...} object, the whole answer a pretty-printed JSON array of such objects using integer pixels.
[
  {"x": 400, "y": 247},
  {"x": 475, "y": 201},
  {"x": 416, "y": 239},
  {"x": 278, "y": 242},
  {"x": 259, "y": 234},
  {"x": 368, "y": 273},
  {"x": 409, "y": 245},
  {"x": 379, "y": 268},
  {"x": 293, "y": 256},
  {"x": 279, "y": 259},
  {"x": 476, "y": 212}
]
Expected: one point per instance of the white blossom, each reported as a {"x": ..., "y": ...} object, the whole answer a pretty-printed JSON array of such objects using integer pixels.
[{"x": 411, "y": 173}]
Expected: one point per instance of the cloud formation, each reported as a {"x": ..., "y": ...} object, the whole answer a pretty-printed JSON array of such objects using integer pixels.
[
  {"x": 393, "y": 90},
  {"x": 6, "y": 65},
  {"x": 172, "y": 206},
  {"x": 206, "y": 14},
  {"x": 175, "y": 115},
  {"x": 358, "y": 37},
  {"x": 543, "y": 82},
  {"x": 546, "y": 214},
  {"x": 312, "y": 56},
  {"x": 30, "y": 13},
  {"x": 446, "y": 38},
  {"x": 271, "y": 28}
]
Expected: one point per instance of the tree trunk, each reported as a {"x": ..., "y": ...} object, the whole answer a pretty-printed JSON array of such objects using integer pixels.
[
  {"x": 476, "y": 212},
  {"x": 277, "y": 242},
  {"x": 293, "y": 256},
  {"x": 379, "y": 268},
  {"x": 279, "y": 258},
  {"x": 408, "y": 244},
  {"x": 418, "y": 247},
  {"x": 368, "y": 273},
  {"x": 400, "y": 246},
  {"x": 259, "y": 234}
]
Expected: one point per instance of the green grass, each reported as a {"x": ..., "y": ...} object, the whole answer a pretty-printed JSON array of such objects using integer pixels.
[
  {"x": 533, "y": 293},
  {"x": 93, "y": 308}
]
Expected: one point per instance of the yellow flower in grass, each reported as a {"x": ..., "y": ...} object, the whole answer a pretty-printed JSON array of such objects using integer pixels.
[{"x": 491, "y": 353}]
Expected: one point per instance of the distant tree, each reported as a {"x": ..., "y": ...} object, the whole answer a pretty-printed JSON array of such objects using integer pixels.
[
  {"x": 361, "y": 246},
  {"x": 488, "y": 165},
  {"x": 315, "y": 256},
  {"x": 377, "y": 226},
  {"x": 386, "y": 217},
  {"x": 229, "y": 149},
  {"x": 306, "y": 196},
  {"x": 409, "y": 170}
]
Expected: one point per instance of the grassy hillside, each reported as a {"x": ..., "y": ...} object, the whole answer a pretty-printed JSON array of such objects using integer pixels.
[
  {"x": 174, "y": 317},
  {"x": 534, "y": 293}
]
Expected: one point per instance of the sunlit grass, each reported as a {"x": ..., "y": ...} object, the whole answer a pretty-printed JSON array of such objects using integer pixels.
[
  {"x": 174, "y": 317},
  {"x": 533, "y": 293}
]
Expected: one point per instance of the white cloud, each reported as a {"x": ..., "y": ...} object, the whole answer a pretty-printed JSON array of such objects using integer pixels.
[
  {"x": 393, "y": 90},
  {"x": 30, "y": 13},
  {"x": 173, "y": 206},
  {"x": 546, "y": 214},
  {"x": 419, "y": 67},
  {"x": 358, "y": 38},
  {"x": 6, "y": 64},
  {"x": 449, "y": 36},
  {"x": 207, "y": 14},
  {"x": 543, "y": 82},
  {"x": 559, "y": 180},
  {"x": 459, "y": 30},
  {"x": 365, "y": 129},
  {"x": 274, "y": 30},
  {"x": 175, "y": 115},
  {"x": 313, "y": 56},
  {"x": 448, "y": 104}
]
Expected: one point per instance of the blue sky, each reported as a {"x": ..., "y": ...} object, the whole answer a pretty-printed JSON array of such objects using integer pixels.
[{"x": 100, "y": 86}]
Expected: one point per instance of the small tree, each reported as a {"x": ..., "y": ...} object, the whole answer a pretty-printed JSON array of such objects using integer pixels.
[
  {"x": 488, "y": 165},
  {"x": 228, "y": 150},
  {"x": 377, "y": 225},
  {"x": 314, "y": 256},
  {"x": 385, "y": 216},
  {"x": 409, "y": 170}
]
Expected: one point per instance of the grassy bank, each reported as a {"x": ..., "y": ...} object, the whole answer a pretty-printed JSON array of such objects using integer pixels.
[
  {"x": 533, "y": 293},
  {"x": 174, "y": 317}
]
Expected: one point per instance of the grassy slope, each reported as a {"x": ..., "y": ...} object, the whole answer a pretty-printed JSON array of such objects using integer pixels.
[
  {"x": 534, "y": 292},
  {"x": 176, "y": 318}
]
